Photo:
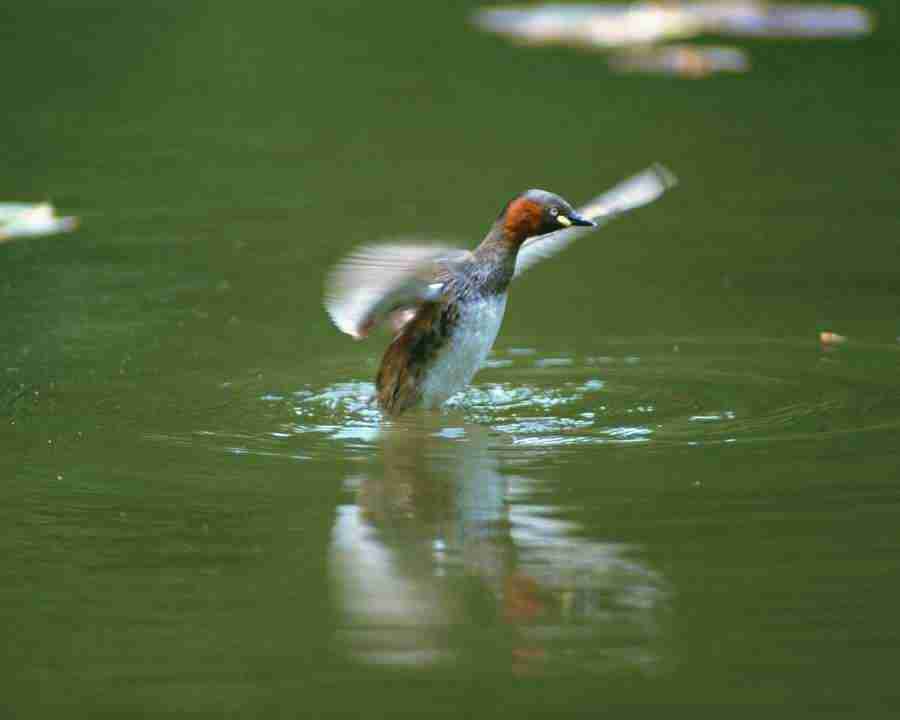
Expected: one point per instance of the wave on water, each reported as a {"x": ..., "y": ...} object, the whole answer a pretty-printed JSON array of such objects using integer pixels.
[{"x": 651, "y": 396}]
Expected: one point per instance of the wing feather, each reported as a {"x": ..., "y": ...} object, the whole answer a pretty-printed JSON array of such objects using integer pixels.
[
  {"x": 380, "y": 282},
  {"x": 637, "y": 191}
]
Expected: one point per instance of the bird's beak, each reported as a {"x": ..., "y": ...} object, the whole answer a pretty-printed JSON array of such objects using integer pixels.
[{"x": 576, "y": 219}]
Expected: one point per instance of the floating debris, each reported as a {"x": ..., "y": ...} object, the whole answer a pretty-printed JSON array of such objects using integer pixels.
[
  {"x": 633, "y": 29},
  {"x": 829, "y": 339},
  {"x": 590, "y": 26},
  {"x": 690, "y": 61},
  {"x": 32, "y": 220},
  {"x": 759, "y": 19},
  {"x": 612, "y": 25}
]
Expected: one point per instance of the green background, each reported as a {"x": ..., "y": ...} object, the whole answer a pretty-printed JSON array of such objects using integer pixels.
[{"x": 174, "y": 444}]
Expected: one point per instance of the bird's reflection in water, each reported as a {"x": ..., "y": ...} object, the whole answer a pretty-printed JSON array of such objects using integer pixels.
[{"x": 437, "y": 561}]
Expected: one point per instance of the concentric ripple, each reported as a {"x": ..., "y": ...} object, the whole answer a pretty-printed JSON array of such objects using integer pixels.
[{"x": 685, "y": 392}]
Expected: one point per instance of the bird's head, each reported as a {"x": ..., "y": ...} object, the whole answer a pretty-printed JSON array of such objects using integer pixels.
[{"x": 538, "y": 212}]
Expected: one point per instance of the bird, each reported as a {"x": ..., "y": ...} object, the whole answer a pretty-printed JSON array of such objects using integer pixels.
[{"x": 445, "y": 305}]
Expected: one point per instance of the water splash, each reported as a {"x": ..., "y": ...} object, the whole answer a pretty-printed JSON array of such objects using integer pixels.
[{"x": 651, "y": 395}]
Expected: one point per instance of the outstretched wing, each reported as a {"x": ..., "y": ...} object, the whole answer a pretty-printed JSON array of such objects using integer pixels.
[
  {"x": 377, "y": 282},
  {"x": 636, "y": 191}
]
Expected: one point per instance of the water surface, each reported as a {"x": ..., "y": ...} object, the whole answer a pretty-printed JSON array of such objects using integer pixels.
[{"x": 661, "y": 493}]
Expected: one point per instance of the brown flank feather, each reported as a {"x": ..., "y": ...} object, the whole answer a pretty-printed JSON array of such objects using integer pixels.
[{"x": 398, "y": 384}]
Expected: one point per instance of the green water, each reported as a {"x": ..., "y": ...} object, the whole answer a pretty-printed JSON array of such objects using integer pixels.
[{"x": 661, "y": 496}]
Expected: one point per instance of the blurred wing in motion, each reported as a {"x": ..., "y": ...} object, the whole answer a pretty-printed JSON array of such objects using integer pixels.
[
  {"x": 380, "y": 282},
  {"x": 637, "y": 191}
]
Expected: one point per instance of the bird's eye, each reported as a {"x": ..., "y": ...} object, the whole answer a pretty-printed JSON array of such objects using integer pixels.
[{"x": 554, "y": 211}]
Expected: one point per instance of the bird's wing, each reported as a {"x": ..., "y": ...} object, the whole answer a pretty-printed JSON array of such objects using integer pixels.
[
  {"x": 380, "y": 282},
  {"x": 636, "y": 191}
]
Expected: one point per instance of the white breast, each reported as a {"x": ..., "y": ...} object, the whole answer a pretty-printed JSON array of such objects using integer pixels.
[{"x": 465, "y": 352}]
